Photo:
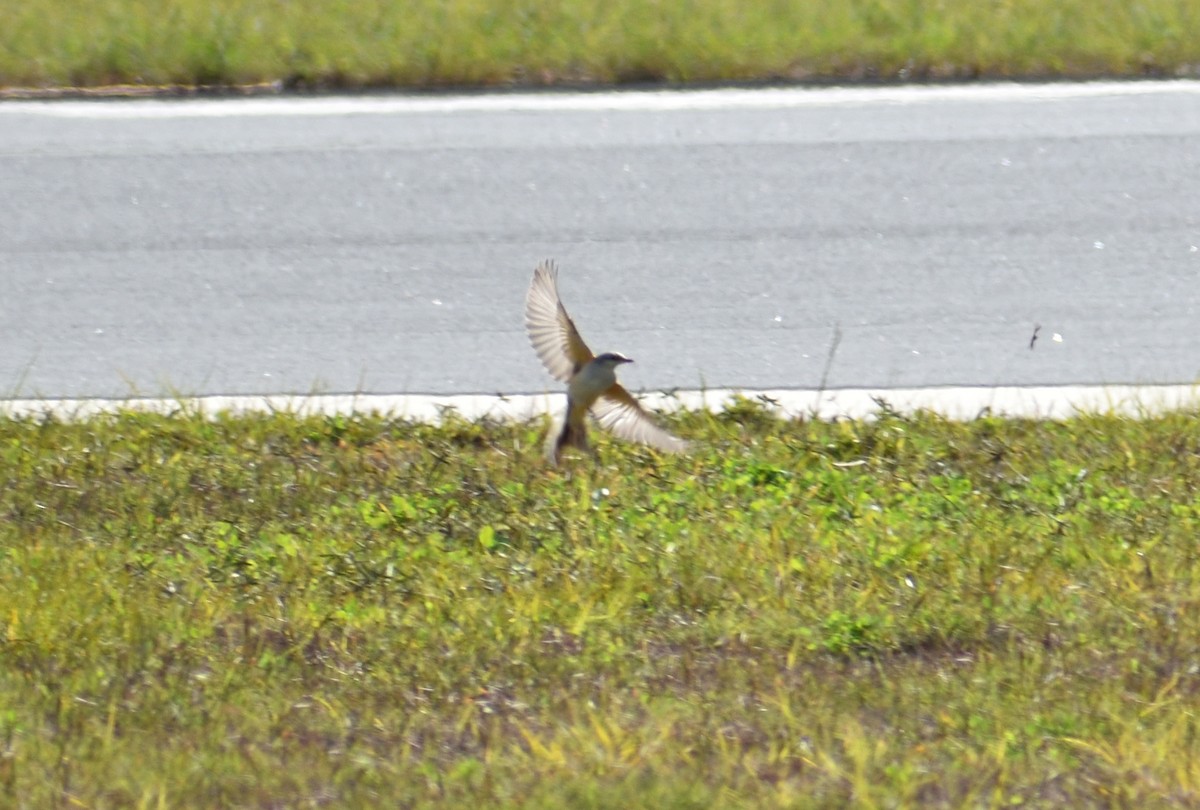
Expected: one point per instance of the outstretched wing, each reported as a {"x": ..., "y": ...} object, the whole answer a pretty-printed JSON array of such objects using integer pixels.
[
  {"x": 551, "y": 331},
  {"x": 619, "y": 413}
]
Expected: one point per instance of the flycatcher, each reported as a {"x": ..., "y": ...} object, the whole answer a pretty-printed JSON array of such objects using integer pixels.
[{"x": 591, "y": 379}]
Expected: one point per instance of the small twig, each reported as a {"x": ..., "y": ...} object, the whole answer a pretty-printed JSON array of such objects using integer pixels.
[{"x": 833, "y": 347}]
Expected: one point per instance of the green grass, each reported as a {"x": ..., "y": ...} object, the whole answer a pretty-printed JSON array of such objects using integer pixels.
[
  {"x": 276, "y": 611},
  {"x": 430, "y": 43}
]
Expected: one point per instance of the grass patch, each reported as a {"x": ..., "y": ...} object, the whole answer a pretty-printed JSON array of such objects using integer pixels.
[
  {"x": 431, "y": 43},
  {"x": 269, "y": 611}
]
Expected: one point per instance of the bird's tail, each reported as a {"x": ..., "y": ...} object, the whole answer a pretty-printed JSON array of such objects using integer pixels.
[{"x": 571, "y": 433}]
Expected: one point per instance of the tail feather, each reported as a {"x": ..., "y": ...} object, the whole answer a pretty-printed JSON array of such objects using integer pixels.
[{"x": 572, "y": 433}]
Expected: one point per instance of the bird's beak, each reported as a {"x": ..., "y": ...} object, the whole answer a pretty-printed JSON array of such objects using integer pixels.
[{"x": 627, "y": 360}]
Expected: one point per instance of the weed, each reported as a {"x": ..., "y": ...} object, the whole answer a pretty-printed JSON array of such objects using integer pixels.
[
  {"x": 432, "y": 43},
  {"x": 272, "y": 610}
]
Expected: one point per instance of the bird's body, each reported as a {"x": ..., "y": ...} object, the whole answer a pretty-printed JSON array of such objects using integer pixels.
[
  {"x": 587, "y": 386},
  {"x": 595, "y": 378},
  {"x": 591, "y": 380}
]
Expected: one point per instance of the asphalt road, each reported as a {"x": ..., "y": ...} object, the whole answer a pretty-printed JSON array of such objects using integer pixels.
[{"x": 384, "y": 244}]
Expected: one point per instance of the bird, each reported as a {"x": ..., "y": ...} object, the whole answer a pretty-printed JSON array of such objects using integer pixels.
[{"x": 591, "y": 379}]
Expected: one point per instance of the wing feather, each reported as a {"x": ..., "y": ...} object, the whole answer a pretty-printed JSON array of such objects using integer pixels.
[
  {"x": 551, "y": 330},
  {"x": 618, "y": 412}
]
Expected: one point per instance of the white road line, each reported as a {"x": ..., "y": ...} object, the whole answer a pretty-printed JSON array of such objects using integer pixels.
[
  {"x": 1045, "y": 402},
  {"x": 626, "y": 100}
]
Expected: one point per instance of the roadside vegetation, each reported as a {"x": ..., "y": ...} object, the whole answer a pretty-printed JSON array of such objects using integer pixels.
[
  {"x": 438, "y": 43},
  {"x": 281, "y": 611}
]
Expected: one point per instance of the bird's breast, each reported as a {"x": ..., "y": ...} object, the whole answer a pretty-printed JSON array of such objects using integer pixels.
[{"x": 591, "y": 381}]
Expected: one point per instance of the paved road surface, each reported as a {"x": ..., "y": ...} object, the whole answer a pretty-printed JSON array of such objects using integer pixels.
[{"x": 383, "y": 244}]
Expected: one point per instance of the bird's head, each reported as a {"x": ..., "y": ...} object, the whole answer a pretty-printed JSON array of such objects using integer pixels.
[{"x": 612, "y": 359}]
